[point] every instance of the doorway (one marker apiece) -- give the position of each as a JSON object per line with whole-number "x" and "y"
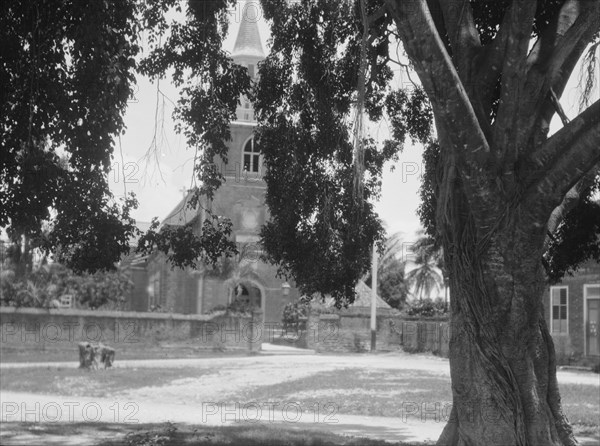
{"x": 592, "y": 319}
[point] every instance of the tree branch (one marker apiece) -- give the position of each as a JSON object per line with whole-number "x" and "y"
{"x": 379, "y": 13}
{"x": 491, "y": 63}
{"x": 569, "y": 202}
{"x": 438, "y": 19}
{"x": 514, "y": 77}
{"x": 558, "y": 107}
{"x": 574, "y": 30}
{"x": 440, "y": 80}
{"x": 565, "y": 158}
{"x": 463, "y": 36}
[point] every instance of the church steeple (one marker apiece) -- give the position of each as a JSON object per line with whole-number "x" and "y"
{"x": 248, "y": 52}
{"x": 247, "y": 44}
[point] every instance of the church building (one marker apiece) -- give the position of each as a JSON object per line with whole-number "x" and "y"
{"x": 241, "y": 198}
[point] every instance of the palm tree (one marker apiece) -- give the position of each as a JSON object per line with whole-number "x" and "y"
{"x": 429, "y": 259}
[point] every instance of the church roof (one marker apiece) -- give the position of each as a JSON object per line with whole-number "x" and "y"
{"x": 248, "y": 42}
{"x": 181, "y": 215}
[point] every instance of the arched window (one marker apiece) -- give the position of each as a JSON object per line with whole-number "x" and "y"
{"x": 251, "y": 156}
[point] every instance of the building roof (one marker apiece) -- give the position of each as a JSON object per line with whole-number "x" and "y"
{"x": 142, "y": 226}
{"x": 362, "y": 300}
{"x": 248, "y": 42}
{"x": 363, "y": 297}
{"x": 182, "y": 214}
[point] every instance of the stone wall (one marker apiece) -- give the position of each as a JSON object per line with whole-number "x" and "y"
{"x": 38, "y": 329}
{"x": 351, "y": 332}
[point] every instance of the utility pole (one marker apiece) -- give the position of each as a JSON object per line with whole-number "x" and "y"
{"x": 374, "y": 299}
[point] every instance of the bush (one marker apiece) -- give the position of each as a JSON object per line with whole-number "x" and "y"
{"x": 294, "y": 316}
{"x": 240, "y": 306}
{"x": 45, "y": 285}
{"x": 161, "y": 437}
{"x": 426, "y": 308}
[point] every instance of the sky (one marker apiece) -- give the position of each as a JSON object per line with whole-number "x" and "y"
{"x": 158, "y": 180}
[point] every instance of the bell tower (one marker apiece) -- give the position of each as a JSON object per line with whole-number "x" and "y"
{"x": 241, "y": 197}
{"x": 248, "y": 51}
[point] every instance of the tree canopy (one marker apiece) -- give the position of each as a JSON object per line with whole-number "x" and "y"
{"x": 67, "y": 72}
{"x": 68, "y": 68}
{"x": 504, "y": 193}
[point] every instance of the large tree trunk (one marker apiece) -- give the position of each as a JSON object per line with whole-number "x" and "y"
{"x": 500, "y": 179}
{"x": 502, "y": 358}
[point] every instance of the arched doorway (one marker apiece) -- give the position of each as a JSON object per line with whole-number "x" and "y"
{"x": 248, "y": 294}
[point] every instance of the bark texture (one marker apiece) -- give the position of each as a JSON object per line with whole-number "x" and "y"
{"x": 501, "y": 355}
{"x": 501, "y": 180}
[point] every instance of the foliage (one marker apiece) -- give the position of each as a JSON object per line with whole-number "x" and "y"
{"x": 184, "y": 248}
{"x": 429, "y": 189}
{"x": 211, "y": 82}
{"x": 425, "y": 279}
{"x": 44, "y": 286}
{"x": 428, "y": 258}
{"x": 161, "y": 437}
{"x": 426, "y": 307}
{"x": 240, "y": 306}
{"x": 320, "y": 232}
{"x": 237, "y": 306}
{"x": 95, "y": 243}
{"x": 577, "y": 238}
{"x": 67, "y": 72}
{"x": 294, "y": 315}
{"x": 392, "y": 284}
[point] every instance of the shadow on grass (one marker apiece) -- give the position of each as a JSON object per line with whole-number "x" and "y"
{"x": 112, "y": 434}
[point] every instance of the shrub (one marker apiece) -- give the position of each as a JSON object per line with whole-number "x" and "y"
{"x": 240, "y": 306}
{"x": 51, "y": 281}
{"x": 294, "y": 316}
{"x": 426, "y": 308}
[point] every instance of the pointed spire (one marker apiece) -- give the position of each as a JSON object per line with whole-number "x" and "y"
{"x": 248, "y": 42}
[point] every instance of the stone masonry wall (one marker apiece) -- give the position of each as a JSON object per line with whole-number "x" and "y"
{"x": 38, "y": 329}
{"x": 352, "y": 333}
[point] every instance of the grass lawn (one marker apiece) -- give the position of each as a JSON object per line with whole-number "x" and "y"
{"x": 59, "y": 353}
{"x": 361, "y": 392}
{"x": 406, "y": 395}
{"x": 175, "y": 435}
{"x": 98, "y": 383}
{"x": 411, "y": 395}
